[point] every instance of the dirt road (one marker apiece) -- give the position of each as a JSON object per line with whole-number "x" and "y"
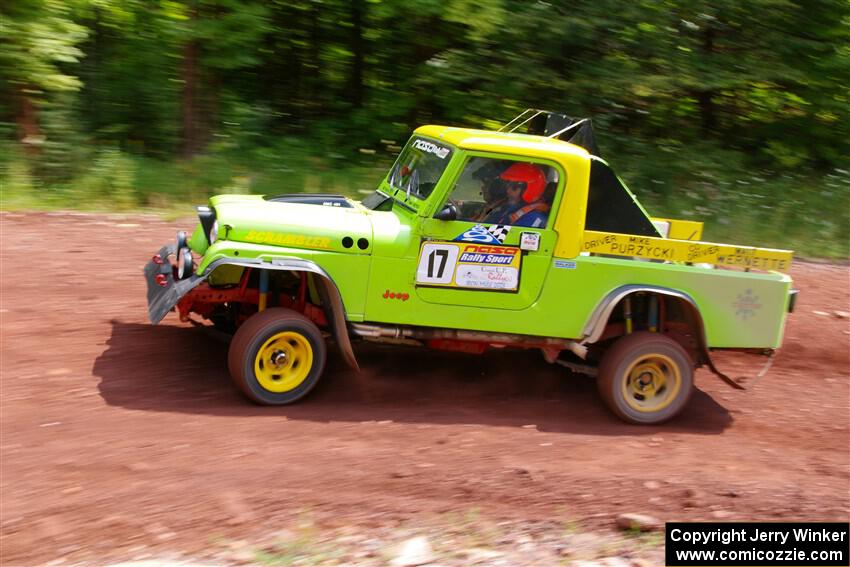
{"x": 117, "y": 434}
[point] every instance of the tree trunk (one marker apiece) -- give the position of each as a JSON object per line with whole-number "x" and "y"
{"x": 26, "y": 118}
{"x": 210, "y": 124}
{"x": 191, "y": 138}
{"x": 705, "y": 98}
{"x": 708, "y": 117}
{"x": 312, "y": 67}
{"x": 93, "y": 85}
{"x": 280, "y": 67}
{"x": 191, "y": 111}
{"x": 358, "y": 48}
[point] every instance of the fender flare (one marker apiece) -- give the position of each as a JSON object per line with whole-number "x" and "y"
{"x": 598, "y": 320}
{"x": 328, "y": 291}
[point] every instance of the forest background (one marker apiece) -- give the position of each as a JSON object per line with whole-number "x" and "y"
{"x": 728, "y": 111}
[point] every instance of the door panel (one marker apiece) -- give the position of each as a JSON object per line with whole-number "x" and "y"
{"x": 497, "y": 253}
{"x": 454, "y": 269}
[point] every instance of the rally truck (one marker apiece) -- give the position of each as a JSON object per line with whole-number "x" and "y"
{"x": 521, "y": 237}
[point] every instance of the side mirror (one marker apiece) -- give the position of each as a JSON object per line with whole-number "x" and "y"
{"x": 449, "y": 212}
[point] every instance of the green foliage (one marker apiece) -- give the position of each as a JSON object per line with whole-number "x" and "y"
{"x": 17, "y": 186}
{"x": 110, "y": 179}
{"x": 38, "y": 36}
{"x": 150, "y": 102}
{"x": 62, "y": 153}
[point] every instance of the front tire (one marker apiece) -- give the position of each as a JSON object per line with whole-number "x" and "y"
{"x": 646, "y": 378}
{"x": 277, "y": 356}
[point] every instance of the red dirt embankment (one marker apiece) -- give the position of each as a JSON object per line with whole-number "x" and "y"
{"x": 116, "y": 433}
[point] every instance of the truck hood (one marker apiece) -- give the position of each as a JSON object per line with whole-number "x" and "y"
{"x": 316, "y": 222}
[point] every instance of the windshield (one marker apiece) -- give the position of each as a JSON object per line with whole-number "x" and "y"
{"x": 419, "y": 167}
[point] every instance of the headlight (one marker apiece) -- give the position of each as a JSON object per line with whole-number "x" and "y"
{"x": 214, "y": 232}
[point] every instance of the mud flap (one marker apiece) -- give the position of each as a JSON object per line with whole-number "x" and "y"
{"x": 161, "y": 299}
{"x": 744, "y": 383}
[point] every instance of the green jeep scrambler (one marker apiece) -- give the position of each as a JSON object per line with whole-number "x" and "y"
{"x": 520, "y": 237}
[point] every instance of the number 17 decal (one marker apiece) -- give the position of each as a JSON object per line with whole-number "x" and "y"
{"x": 437, "y": 264}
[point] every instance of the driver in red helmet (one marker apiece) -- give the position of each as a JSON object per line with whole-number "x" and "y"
{"x": 524, "y": 185}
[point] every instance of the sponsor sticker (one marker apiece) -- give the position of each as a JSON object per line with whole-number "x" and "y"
{"x": 529, "y": 241}
{"x": 486, "y": 277}
{"x": 469, "y": 265}
{"x": 431, "y": 148}
{"x": 565, "y": 264}
{"x": 493, "y": 234}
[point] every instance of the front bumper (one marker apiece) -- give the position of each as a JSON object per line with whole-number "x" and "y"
{"x": 163, "y": 298}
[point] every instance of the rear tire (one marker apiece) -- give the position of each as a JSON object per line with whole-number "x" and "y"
{"x": 646, "y": 378}
{"x": 277, "y": 356}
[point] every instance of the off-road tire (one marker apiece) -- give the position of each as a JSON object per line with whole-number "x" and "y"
{"x": 256, "y": 332}
{"x": 623, "y": 362}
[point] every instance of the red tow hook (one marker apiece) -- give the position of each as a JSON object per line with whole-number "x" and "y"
{"x": 157, "y": 259}
{"x": 161, "y": 280}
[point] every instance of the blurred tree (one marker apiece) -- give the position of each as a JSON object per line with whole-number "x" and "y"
{"x": 292, "y": 67}
{"x": 766, "y": 78}
{"x": 37, "y": 38}
{"x": 358, "y": 53}
{"x": 130, "y": 74}
{"x": 411, "y": 44}
{"x": 745, "y": 74}
{"x": 220, "y": 39}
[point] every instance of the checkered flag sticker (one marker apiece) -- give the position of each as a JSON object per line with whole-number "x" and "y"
{"x": 494, "y": 234}
{"x": 499, "y": 231}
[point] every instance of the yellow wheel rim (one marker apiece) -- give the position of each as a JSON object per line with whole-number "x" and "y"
{"x": 651, "y": 383}
{"x": 283, "y": 362}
